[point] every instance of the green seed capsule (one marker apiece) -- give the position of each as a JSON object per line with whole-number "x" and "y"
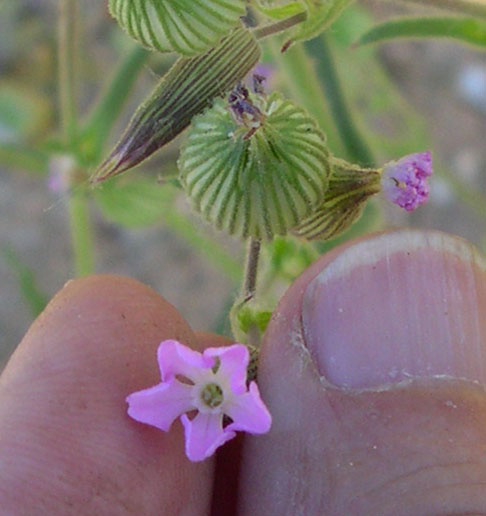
{"x": 350, "y": 188}
{"x": 259, "y": 178}
{"x": 186, "y": 90}
{"x": 188, "y": 27}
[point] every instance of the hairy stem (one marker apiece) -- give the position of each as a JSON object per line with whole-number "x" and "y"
{"x": 280, "y": 26}
{"x": 251, "y": 269}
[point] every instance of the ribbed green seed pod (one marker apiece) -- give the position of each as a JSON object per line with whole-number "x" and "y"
{"x": 260, "y": 185}
{"x": 186, "y": 90}
{"x": 350, "y": 188}
{"x": 188, "y": 27}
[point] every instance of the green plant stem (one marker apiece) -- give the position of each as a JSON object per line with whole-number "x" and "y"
{"x": 251, "y": 269}
{"x": 79, "y": 223}
{"x": 470, "y": 7}
{"x": 355, "y": 147}
{"x": 280, "y": 26}
{"x": 249, "y": 287}
{"x": 81, "y": 237}
{"x": 66, "y": 60}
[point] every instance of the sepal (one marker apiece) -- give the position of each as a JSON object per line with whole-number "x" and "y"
{"x": 350, "y": 187}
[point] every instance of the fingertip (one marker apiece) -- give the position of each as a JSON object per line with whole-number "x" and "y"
{"x": 63, "y": 409}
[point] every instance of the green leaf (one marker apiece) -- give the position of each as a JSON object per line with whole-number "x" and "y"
{"x": 188, "y": 27}
{"x": 108, "y": 108}
{"x": 136, "y": 204}
{"x": 187, "y": 89}
{"x": 476, "y": 8}
{"x": 144, "y": 203}
{"x": 248, "y": 316}
{"x": 320, "y": 15}
{"x": 288, "y": 257}
{"x": 467, "y": 30}
{"x": 305, "y": 87}
{"x": 34, "y": 298}
{"x": 390, "y": 124}
{"x": 282, "y": 11}
{"x": 23, "y": 112}
{"x": 19, "y": 156}
{"x": 354, "y": 141}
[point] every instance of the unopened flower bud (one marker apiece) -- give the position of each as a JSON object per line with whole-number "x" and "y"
{"x": 404, "y": 181}
{"x": 255, "y": 165}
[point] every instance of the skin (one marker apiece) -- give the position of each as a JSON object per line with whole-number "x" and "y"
{"x": 411, "y": 446}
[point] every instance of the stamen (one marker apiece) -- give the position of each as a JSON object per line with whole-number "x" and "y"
{"x": 212, "y": 395}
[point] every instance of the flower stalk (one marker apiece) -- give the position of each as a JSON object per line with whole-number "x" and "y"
{"x": 249, "y": 289}
{"x": 251, "y": 269}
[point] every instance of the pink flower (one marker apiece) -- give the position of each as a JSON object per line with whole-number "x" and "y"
{"x": 213, "y": 383}
{"x": 404, "y": 181}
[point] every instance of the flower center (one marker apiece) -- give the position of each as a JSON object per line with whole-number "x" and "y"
{"x": 212, "y": 395}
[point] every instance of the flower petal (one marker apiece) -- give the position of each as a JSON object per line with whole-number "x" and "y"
{"x": 160, "y": 405}
{"x": 233, "y": 365}
{"x": 249, "y": 413}
{"x": 174, "y": 358}
{"x": 204, "y": 434}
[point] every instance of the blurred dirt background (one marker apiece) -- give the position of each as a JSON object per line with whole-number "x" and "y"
{"x": 445, "y": 82}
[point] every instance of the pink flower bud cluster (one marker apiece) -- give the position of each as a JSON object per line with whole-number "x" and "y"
{"x": 404, "y": 182}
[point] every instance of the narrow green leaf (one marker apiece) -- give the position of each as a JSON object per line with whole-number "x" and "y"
{"x": 24, "y": 112}
{"x": 320, "y": 15}
{"x": 186, "y": 90}
{"x": 19, "y": 156}
{"x": 467, "y": 30}
{"x": 354, "y": 142}
{"x": 476, "y": 8}
{"x": 108, "y": 108}
{"x": 136, "y": 204}
{"x": 34, "y": 298}
{"x": 304, "y": 86}
{"x": 392, "y": 126}
{"x": 143, "y": 203}
{"x": 282, "y": 11}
